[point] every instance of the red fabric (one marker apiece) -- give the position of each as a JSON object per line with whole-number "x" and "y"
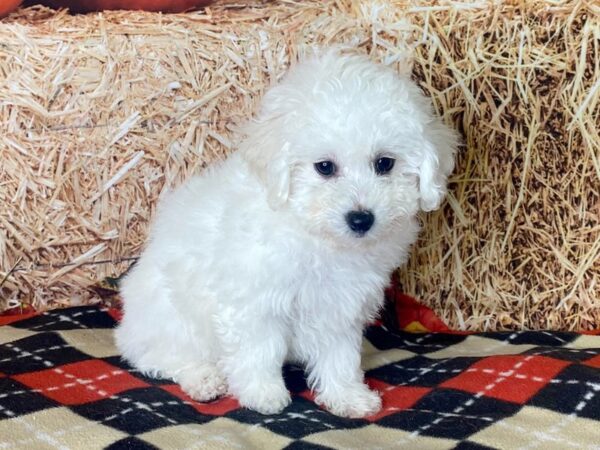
{"x": 7, "y": 6}
{"x": 511, "y": 378}
{"x": 116, "y": 313}
{"x": 16, "y": 314}
{"x": 216, "y": 408}
{"x": 594, "y": 362}
{"x": 411, "y": 315}
{"x": 395, "y": 398}
{"x": 72, "y": 384}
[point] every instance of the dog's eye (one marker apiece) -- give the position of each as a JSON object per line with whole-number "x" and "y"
{"x": 384, "y": 165}
{"x": 326, "y": 168}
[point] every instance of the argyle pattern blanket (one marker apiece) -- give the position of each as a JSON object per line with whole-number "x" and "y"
{"x": 63, "y": 385}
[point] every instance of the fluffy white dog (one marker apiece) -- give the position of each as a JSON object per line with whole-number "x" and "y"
{"x": 282, "y": 252}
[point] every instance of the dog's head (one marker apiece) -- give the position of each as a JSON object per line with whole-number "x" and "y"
{"x": 350, "y": 147}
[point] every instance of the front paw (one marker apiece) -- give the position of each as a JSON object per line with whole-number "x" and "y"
{"x": 265, "y": 398}
{"x": 203, "y": 383}
{"x": 354, "y": 401}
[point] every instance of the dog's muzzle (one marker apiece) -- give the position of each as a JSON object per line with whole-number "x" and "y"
{"x": 360, "y": 221}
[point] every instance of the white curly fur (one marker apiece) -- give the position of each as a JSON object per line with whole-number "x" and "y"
{"x": 252, "y": 263}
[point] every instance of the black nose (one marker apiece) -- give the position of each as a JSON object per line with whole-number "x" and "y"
{"x": 360, "y": 221}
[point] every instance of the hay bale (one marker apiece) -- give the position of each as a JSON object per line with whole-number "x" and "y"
{"x": 518, "y": 245}
{"x": 105, "y": 111}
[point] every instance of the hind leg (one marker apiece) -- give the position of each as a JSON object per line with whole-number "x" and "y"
{"x": 172, "y": 357}
{"x": 198, "y": 376}
{"x": 164, "y": 342}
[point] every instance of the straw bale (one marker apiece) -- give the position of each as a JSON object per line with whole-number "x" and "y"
{"x": 518, "y": 244}
{"x": 101, "y": 113}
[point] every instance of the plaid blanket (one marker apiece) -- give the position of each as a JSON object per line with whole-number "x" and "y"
{"x": 63, "y": 385}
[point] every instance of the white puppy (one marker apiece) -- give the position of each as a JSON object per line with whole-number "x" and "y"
{"x": 282, "y": 252}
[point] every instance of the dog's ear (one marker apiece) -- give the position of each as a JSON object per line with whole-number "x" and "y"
{"x": 437, "y": 164}
{"x": 267, "y": 155}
